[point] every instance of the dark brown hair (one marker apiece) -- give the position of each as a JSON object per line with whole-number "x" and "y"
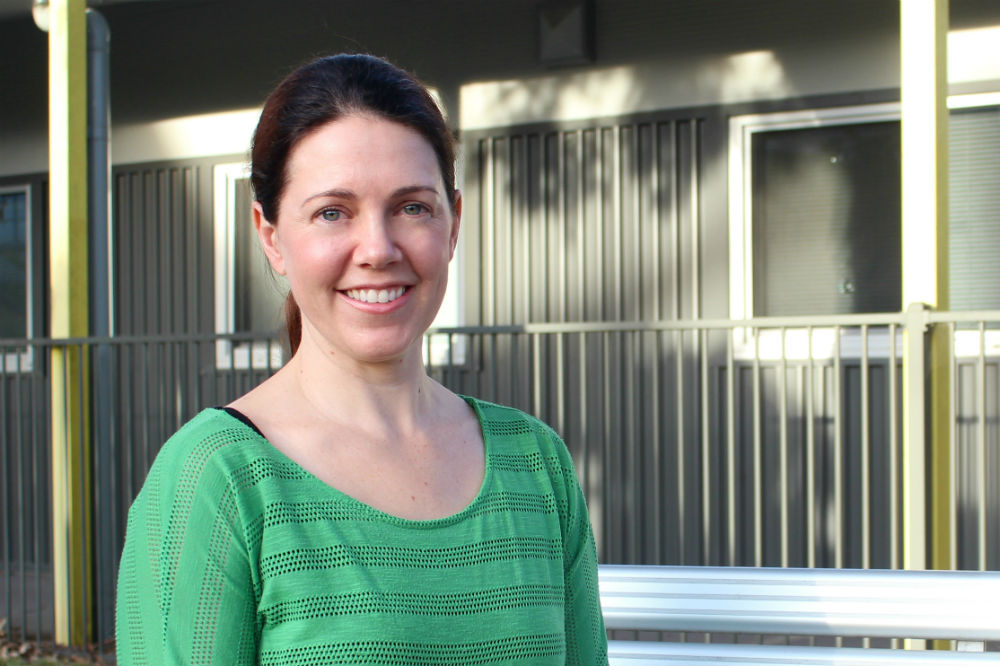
{"x": 323, "y": 91}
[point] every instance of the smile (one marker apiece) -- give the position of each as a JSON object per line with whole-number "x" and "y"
{"x": 375, "y": 295}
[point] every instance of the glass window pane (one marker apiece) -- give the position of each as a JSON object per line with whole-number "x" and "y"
{"x": 974, "y": 209}
{"x": 13, "y": 265}
{"x": 826, "y": 220}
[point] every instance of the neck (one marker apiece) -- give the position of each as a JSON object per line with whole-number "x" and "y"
{"x": 392, "y": 396}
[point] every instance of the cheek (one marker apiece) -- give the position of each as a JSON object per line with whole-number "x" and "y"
{"x": 432, "y": 253}
{"x": 312, "y": 261}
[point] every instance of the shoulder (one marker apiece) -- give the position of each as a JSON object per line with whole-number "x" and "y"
{"x": 213, "y": 434}
{"x": 507, "y": 421}
{"x": 521, "y": 440}
{"x": 204, "y": 455}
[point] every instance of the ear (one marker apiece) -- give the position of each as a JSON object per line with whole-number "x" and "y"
{"x": 456, "y": 223}
{"x": 268, "y": 235}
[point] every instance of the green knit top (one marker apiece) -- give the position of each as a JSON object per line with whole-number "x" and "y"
{"x": 234, "y": 554}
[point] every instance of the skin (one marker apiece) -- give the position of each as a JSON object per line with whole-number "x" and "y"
{"x": 365, "y": 211}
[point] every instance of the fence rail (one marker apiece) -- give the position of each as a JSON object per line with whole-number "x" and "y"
{"x": 761, "y": 442}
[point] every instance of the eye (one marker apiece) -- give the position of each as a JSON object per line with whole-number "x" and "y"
{"x": 330, "y": 215}
{"x": 415, "y": 209}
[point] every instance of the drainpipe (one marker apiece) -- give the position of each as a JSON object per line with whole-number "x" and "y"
{"x": 99, "y": 172}
{"x": 101, "y": 311}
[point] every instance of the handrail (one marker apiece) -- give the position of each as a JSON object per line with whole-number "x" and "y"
{"x": 803, "y": 321}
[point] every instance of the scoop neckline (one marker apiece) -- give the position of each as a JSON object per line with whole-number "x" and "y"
{"x": 367, "y": 508}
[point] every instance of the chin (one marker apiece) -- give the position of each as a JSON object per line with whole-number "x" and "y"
{"x": 383, "y": 353}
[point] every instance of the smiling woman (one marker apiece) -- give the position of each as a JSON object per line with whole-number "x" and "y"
{"x": 350, "y": 509}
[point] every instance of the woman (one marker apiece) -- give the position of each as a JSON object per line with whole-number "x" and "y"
{"x": 350, "y": 509}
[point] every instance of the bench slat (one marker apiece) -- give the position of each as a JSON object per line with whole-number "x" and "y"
{"x": 813, "y": 602}
{"x": 641, "y": 653}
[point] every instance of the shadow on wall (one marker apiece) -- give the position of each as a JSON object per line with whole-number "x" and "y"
{"x": 684, "y": 82}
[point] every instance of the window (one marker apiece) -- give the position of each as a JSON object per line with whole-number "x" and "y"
{"x": 14, "y": 227}
{"x": 974, "y": 208}
{"x": 826, "y": 225}
{"x": 248, "y": 294}
{"x": 815, "y": 214}
{"x": 15, "y": 271}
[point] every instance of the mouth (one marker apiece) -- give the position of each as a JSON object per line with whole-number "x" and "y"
{"x": 376, "y": 295}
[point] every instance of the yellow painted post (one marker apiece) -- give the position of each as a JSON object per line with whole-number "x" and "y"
{"x": 69, "y": 318}
{"x": 927, "y": 453}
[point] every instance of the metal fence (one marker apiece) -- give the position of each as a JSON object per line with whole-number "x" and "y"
{"x": 772, "y": 442}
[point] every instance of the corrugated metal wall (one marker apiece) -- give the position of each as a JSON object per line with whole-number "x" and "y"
{"x": 595, "y": 223}
{"x": 163, "y": 231}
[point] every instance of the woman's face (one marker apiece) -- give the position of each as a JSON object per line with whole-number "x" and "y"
{"x": 364, "y": 234}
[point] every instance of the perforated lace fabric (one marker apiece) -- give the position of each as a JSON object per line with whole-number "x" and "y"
{"x": 236, "y": 555}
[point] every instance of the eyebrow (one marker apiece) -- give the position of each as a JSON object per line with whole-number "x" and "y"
{"x": 349, "y": 194}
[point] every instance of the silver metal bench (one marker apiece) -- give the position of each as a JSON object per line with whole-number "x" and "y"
{"x": 961, "y": 606}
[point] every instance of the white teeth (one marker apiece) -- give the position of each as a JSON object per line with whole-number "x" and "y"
{"x": 376, "y": 296}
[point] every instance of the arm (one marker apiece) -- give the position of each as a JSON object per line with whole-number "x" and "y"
{"x": 185, "y": 592}
{"x": 586, "y": 639}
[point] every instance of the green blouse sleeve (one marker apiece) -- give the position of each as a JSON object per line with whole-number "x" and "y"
{"x": 185, "y": 588}
{"x": 586, "y": 638}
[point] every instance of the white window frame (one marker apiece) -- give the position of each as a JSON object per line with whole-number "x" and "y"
{"x": 258, "y": 355}
{"x": 741, "y": 133}
{"x": 24, "y": 360}
{"x": 796, "y": 344}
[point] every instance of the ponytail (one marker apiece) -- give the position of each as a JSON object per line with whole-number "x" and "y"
{"x": 293, "y": 324}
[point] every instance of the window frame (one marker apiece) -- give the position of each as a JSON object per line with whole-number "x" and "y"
{"x": 747, "y": 342}
{"x": 229, "y": 354}
{"x": 741, "y": 132}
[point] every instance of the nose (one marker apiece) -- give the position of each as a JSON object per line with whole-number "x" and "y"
{"x": 376, "y": 247}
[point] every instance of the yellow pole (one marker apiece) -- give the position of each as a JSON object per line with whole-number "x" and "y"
{"x": 923, "y": 37}
{"x": 69, "y": 318}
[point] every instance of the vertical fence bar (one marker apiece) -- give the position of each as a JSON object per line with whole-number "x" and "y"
{"x": 706, "y": 455}
{"x": 610, "y": 506}
{"x": 47, "y": 430}
{"x": 631, "y": 441}
{"x": 5, "y": 493}
{"x": 953, "y": 455}
{"x": 865, "y": 454}
{"x": 838, "y": 450}
{"x": 582, "y": 412}
{"x": 800, "y": 391}
{"x": 730, "y": 452}
{"x": 810, "y": 454}
{"x": 981, "y": 457}
{"x": 914, "y": 441}
{"x": 758, "y": 510}
{"x": 783, "y": 448}
{"x": 894, "y": 521}
{"x": 894, "y": 489}
{"x": 561, "y": 382}
{"x": 681, "y": 461}
{"x": 84, "y": 495}
{"x": 657, "y": 452}
{"x": 19, "y": 465}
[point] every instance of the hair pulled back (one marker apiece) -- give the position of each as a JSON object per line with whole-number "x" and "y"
{"x": 323, "y": 91}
